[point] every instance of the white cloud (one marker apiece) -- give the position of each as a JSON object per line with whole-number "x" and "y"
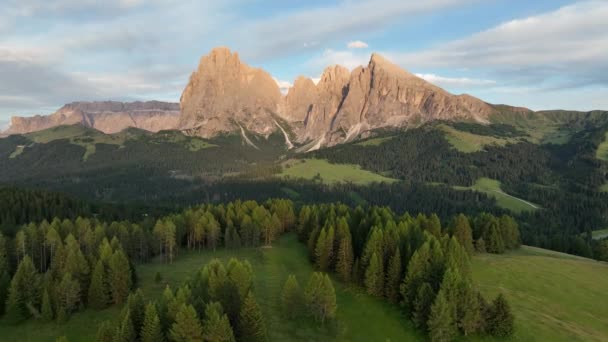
{"x": 569, "y": 42}
{"x": 357, "y": 44}
{"x": 347, "y": 58}
{"x": 329, "y": 23}
{"x": 283, "y": 85}
{"x": 459, "y": 82}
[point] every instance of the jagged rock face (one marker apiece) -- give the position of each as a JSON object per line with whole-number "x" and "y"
{"x": 379, "y": 95}
{"x": 225, "y": 94}
{"x": 108, "y": 117}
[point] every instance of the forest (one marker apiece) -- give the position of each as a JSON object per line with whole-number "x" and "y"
{"x": 53, "y": 269}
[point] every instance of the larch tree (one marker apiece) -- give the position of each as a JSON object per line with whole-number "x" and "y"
{"x": 292, "y": 298}
{"x": 187, "y": 327}
{"x": 119, "y": 277}
{"x": 374, "y": 276}
{"x": 441, "y": 325}
{"x": 216, "y": 325}
{"x": 151, "y": 329}
{"x": 394, "y": 275}
{"x": 23, "y": 291}
{"x": 251, "y": 321}
{"x": 98, "y": 297}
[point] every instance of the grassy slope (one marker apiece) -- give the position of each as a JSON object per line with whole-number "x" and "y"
{"x": 602, "y": 150}
{"x": 272, "y": 266}
{"x": 600, "y": 234}
{"x": 492, "y": 188}
{"x": 374, "y": 141}
{"x": 555, "y": 296}
{"x": 467, "y": 142}
{"x": 331, "y": 173}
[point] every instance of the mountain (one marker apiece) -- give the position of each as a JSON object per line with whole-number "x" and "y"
{"x": 225, "y": 95}
{"x": 107, "y": 116}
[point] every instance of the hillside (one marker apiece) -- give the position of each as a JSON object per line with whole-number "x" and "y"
{"x": 556, "y": 297}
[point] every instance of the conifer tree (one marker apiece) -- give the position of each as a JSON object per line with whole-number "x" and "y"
{"x": 321, "y": 256}
{"x": 5, "y": 283}
{"x": 251, "y": 321}
{"x": 292, "y": 297}
{"x": 98, "y": 293}
{"x": 320, "y": 297}
{"x": 394, "y": 277}
{"x": 106, "y": 333}
{"x": 124, "y": 330}
{"x": 422, "y": 306}
{"x": 480, "y": 245}
{"x": 500, "y": 319}
{"x": 345, "y": 258}
{"x": 374, "y": 276}
{"x": 216, "y": 326}
{"x": 441, "y": 323}
{"x": 137, "y": 308}
{"x": 151, "y": 328}
{"x": 120, "y": 277}
{"x": 47, "y": 307}
{"x": 68, "y": 295}
{"x": 23, "y": 291}
{"x": 187, "y": 327}
{"x": 463, "y": 233}
{"x": 469, "y": 311}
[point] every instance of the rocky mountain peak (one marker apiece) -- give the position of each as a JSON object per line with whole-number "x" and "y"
{"x": 225, "y": 93}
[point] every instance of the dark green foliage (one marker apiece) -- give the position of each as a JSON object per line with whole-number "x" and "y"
{"x": 422, "y": 306}
{"x": 500, "y": 319}
{"x": 68, "y": 296}
{"x": 124, "y": 330}
{"x": 394, "y": 276}
{"x": 461, "y": 229}
{"x": 46, "y": 310}
{"x": 119, "y": 277}
{"x": 158, "y": 277}
{"x": 374, "y": 276}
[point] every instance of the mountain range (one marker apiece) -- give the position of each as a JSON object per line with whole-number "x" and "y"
{"x": 225, "y": 95}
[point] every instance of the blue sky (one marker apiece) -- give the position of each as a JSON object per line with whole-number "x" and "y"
{"x": 539, "y": 54}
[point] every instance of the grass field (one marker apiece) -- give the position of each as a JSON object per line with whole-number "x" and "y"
{"x": 555, "y": 296}
{"x": 604, "y": 187}
{"x": 602, "y": 150}
{"x": 374, "y": 141}
{"x": 599, "y": 234}
{"x": 491, "y": 187}
{"x": 330, "y": 173}
{"x": 467, "y": 142}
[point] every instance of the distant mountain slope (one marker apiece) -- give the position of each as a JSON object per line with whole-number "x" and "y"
{"x": 108, "y": 117}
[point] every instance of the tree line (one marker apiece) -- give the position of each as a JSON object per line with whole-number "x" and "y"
{"x": 414, "y": 261}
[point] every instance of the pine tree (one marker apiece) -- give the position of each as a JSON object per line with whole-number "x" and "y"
{"x": 216, "y": 326}
{"x": 151, "y": 328}
{"x": 98, "y": 293}
{"x": 251, "y": 321}
{"x": 500, "y": 319}
{"x": 494, "y": 243}
{"x": 374, "y": 276}
{"x": 5, "y": 283}
{"x": 291, "y": 297}
{"x": 187, "y": 327}
{"x": 47, "y": 307}
{"x": 422, "y": 306}
{"x": 394, "y": 277}
{"x": 480, "y": 245}
{"x": 441, "y": 324}
{"x": 120, "y": 277}
{"x": 345, "y": 258}
{"x": 105, "y": 333}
